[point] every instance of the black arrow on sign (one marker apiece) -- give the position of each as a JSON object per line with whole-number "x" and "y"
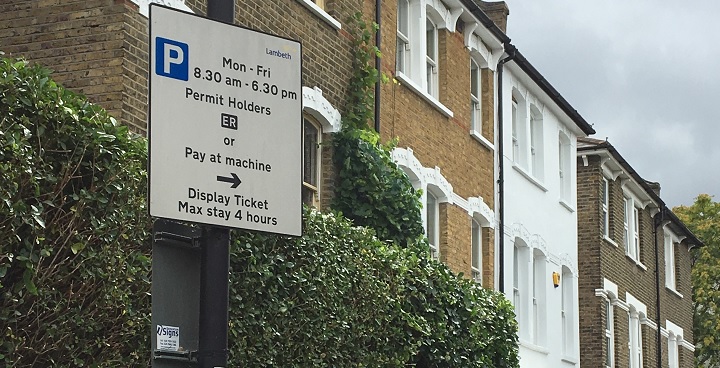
{"x": 234, "y": 180}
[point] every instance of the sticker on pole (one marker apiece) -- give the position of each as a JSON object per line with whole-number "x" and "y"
{"x": 168, "y": 338}
{"x": 225, "y": 124}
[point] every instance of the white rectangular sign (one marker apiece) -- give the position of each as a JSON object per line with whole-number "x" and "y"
{"x": 168, "y": 337}
{"x": 225, "y": 124}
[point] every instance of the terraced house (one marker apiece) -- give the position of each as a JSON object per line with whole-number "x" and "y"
{"x": 635, "y": 290}
{"x": 538, "y": 214}
{"x": 442, "y": 107}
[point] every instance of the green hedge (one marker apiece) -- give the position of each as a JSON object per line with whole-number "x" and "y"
{"x": 339, "y": 297}
{"x": 74, "y": 263}
{"x": 74, "y": 252}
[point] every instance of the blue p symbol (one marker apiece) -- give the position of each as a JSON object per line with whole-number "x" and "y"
{"x": 171, "y": 59}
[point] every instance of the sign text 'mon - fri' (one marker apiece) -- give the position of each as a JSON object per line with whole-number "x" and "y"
{"x": 225, "y": 125}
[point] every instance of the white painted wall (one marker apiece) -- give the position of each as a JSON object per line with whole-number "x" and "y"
{"x": 535, "y": 213}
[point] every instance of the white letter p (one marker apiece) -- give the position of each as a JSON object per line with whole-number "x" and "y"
{"x": 172, "y": 60}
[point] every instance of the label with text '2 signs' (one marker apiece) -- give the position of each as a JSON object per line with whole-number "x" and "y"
{"x": 168, "y": 337}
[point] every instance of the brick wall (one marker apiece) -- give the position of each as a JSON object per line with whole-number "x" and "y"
{"x": 95, "y": 47}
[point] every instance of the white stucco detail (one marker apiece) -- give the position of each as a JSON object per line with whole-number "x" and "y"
{"x": 144, "y": 5}
{"x": 611, "y": 288}
{"x": 321, "y": 109}
{"x": 434, "y": 178}
{"x": 537, "y": 242}
{"x": 405, "y": 158}
{"x": 479, "y": 50}
{"x": 636, "y": 305}
{"x": 478, "y": 207}
{"x": 440, "y": 14}
{"x": 519, "y": 231}
{"x": 568, "y": 261}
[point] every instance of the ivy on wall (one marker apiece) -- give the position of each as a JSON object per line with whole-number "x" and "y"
{"x": 370, "y": 189}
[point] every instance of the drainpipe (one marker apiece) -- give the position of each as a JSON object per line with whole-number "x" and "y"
{"x": 501, "y": 174}
{"x": 659, "y": 219}
{"x": 378, "y": 4}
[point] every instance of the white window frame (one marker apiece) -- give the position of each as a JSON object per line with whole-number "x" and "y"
{"x": 476, "y": 250}
{"x": 609, "y": 335}
{"x": 313, "y": 187}
{"x": 539, "y": 298}
{"x": 431, "y": 57}
{"x": 522, "y": 287}
{"x": 670, "y": 276}
{"x": 675, "y": 339}
{"x": 567, "y": 312}
{"x": 317, "y": 7}
{"x": 636, "y": 234}
{"x": 521, "y": 132}
{"x": 605, "y": 206}
{"x": 515, "y": 130}
{"x": 631, "y": 228}
{"x": 626, "y": 223}
{"x": 564, "y": 167}
{"x": 673, "y": 351}
{"x": 415, "y": 76}
{"x": 635, "y": 341}
{"x": 536, "y": 143}
{"x": 432, "y": 228}
{"x": 516, "y": 281}
{"x": 403, "y": 51}
{"x": 475, "y": 97}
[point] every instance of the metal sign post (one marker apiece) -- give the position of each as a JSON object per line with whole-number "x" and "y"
{"x": 215, "y": 260}
{"x": 225, "y": 152}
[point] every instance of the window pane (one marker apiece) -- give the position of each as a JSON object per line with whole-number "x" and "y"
{"x": 474, "y": 79}
{"x": 310, "y": 159}
{"x": 429, "y": 78}
{"x": 432, "y": 225}
{"x": 402, "y": 17}
{"x": 431, "y": 38}
{"x": 516, "y": 150}
{"x": 476, "y": 251}
{"x": 400, "y": 55}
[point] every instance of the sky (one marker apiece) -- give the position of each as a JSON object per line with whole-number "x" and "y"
{"x": 645, "y": 73}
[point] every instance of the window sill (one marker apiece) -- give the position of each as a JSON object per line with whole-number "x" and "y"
{"x": 529, "y": 177}
{"x": 568, "y": 359}
{"x": 566, "y": 205}
{"x": 425, "y": 96}
{"x": 673, "y": 291}
{"x": 321, "y": 13}
{"x": 610, "y": 241}
{"x": 478, "y": 137}
{"x": 638, "y": 263}
{"x": 533, "y": 347}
